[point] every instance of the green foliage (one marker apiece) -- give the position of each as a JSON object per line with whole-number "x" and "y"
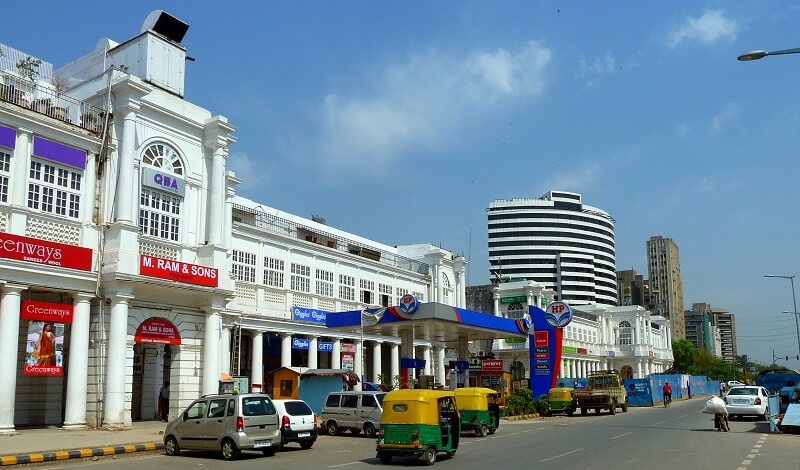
{"x": 702, "y": 361}
{"x": 685, "y": 353}
{"x": 520, "y": 402}
{"x": 29, "y": 68}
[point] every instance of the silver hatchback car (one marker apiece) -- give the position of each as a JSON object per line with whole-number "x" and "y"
{"x": 227, "y": 423}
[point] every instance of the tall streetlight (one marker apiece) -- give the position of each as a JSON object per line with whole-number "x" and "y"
{"x": 755, "y": 55}
{"x": 794, "y": 301}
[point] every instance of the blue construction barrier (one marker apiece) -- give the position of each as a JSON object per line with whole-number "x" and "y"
{"x": 638, "y": 391}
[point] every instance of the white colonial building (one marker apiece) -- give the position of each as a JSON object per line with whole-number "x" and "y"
{"x": 627, "y": 338}
{"x": 126, "y": 259}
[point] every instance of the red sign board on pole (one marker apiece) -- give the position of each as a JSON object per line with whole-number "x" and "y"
{"x": 178, "y": 271}
{"x": 540, "y": 338}
{"x": 37, "y": 251}
{"x": 157, "y": 330}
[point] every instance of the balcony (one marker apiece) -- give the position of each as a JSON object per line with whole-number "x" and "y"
{"x": 283, "y": 227}
{"x": 45, "y": 99}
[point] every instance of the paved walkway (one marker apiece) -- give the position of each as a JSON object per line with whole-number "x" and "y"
{"x": 49, "y": 443}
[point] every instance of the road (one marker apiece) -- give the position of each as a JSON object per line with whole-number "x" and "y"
{"x": 678, "y": 437}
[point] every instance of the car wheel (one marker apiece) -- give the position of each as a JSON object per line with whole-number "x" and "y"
{"x": 333, "y": 428}
{"x": 429, "y": 456}
{"x": 229, "y": 450}
{"x": 270, "y": 452}
{"x": 369, "y": 430}
{"x": 386, "y": 459}
{"x": 306, "y": 444}
{"x": 171, "y": 446}
{"x": 584, "y": 411}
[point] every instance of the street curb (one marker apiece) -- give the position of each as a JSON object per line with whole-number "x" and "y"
{"x": 35, "y": 457}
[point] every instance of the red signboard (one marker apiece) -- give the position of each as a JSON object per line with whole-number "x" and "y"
{"x": 157, "y": 330}
{"x": 38, "y": 251}
{"x": 178, "y": 271}
{"x": 492, "y": 365}
{"x": 582, "y": 351}
{"x": 45, "y": 311}
{"x": 540, "y": 338}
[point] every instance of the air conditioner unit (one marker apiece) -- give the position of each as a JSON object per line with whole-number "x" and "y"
{"x": 483, "y": 353}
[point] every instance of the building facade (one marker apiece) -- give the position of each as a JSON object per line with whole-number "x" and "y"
{"x": 557, "y": 241}
{"x": 127, "y": 261}
{"x": 632, "y": 289}
{"x": 712, "y": 328}
{"x": 627, "y": 338}
{"x": 666, "y": 286}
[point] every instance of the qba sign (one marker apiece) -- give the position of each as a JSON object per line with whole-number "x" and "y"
{"x": 155, "y": 179}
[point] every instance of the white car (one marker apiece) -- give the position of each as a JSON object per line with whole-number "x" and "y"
{"x": 733, "y": 383}
{"x": 747, "y": 400}
{"x": 297, "y": 421}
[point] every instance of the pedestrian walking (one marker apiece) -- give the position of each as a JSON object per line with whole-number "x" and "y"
{"x": 721, "y": 389}
{"x": 163, "y": 401}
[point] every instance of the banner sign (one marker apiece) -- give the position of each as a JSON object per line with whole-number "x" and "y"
{"x": 325, "y": 346}
{"x": 309, "y": 315}
{"x": 157, "y": 330}
{"x": 513, "y": 300}
{"x": 492, "y": 365}
{"x": 638, "y": 392}
{"x": 348, "y": 347}
{"x": 44, "y": 349}
{"x": 300, "y": 343}
{"x": 45, "y": 311}
{"x": 178, "y": 271}
{"x": 348, "y": 361}
{"x": 37, "y": 251}
{"x": 170, "y": 183}
{"x": 548, "y": 335}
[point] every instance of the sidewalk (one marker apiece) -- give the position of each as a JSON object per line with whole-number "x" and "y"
{"x": 52, "y": 443}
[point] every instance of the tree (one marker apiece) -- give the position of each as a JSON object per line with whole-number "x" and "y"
{"x": 685, "y": 353}
{"x": 702, "y": 361}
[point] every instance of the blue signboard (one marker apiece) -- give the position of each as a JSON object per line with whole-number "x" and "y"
{"x": 309, "y": 315}
{"x": 545, "y": 354}
{"x": 299, "y": 343}
{"x": 325, "y": 346}
{"x": 638, "y": 392}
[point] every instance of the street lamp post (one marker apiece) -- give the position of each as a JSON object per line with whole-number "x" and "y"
{"x": 755, "y": 55}
{"x": 794, "y": 302}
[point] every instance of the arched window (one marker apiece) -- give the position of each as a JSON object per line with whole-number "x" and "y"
{"x": 162, "y": 192}
{"x": 446, "y": 289}
{"x": 624, "y": 333}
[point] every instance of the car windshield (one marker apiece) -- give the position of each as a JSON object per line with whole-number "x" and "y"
{"x": 743, "y": 391}
{"x": 297, "y": 408}
{"x": 380, "y": 396}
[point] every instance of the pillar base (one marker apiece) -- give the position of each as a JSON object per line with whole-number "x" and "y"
{"x": 8, "y": 431}
{"x": 116, "y": 427}
{"x": 75, "y": 426}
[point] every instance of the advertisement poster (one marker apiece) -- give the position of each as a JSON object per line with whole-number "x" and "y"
{"x": 44, "y": 348}
{"x": 348, "y": 361}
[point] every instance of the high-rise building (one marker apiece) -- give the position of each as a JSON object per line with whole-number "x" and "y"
{"x": 712, "y": 328}
{"x": 632, "y": 289}
{"x": 666, "y": 287}
{"x": 558, "y": 241}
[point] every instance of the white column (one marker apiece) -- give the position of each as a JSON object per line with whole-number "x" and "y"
{"x": 583, "y": 368}
{"x": 395, "y": 362}
{"x": 426, "y": 354}
{"x": 257, "y": 358}
{"x": 78, "y": 365}
{"x": 313, "y": 353}
{"x": 19, "y": 168}
{"x": 9, "y": 345}
{"x": 211, "y": 341}
{"x": 286, "y": 350}
{"x": 496, "y": 298}
{"x": 125, "y": 192}
{"x": 440, "y": 378}
{"x": 376, "y": 360}
{"x": 114, "y": 392}
{"x": 216, "y": 197}
{"x": 639, "y": 369}
{"x": 225, "y": 350}
{"x": 358, "y": 363}
{"x": 336, "y": 354}
{"x": 572, "y": 368}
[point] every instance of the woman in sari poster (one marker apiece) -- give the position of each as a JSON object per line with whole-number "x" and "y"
{"x": 44, "y": 349}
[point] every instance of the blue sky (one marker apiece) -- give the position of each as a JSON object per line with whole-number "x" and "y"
{"x": 402, "y": 121}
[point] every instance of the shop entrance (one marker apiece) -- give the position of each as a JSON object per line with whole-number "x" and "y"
{"x": 152, "y": 366}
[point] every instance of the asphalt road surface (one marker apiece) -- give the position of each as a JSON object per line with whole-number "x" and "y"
{"x": 674, "y": 438}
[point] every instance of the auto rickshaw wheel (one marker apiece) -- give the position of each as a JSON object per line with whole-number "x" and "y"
{"x": 386, "y": 459}
{"x": 451, "y": 454}
{"x": 429, "y": 456}
{"x": 570, "y": 411}
{"x": 491, "y": 431}
{"x": 483, "y": 430}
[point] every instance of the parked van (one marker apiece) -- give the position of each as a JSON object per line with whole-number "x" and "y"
{"x": 355, "y": 411}
{"x": 226, "y": 423}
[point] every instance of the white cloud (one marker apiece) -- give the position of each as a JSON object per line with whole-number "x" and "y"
{"x": 708, "y": 28}
{"x": 594, "y": 71}
{"x": 249, "y": 170}
{"x": 421, "y": 104}
{"x": 729, "y": 113}
{"x": 682, "y": 130}
{"x": 576, "y": 180}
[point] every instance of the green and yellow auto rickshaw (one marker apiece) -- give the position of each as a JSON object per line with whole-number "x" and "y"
{"x": 418, "y": 423}
{"x": 559, "y": 400}
{"x": 478, "y": 409}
